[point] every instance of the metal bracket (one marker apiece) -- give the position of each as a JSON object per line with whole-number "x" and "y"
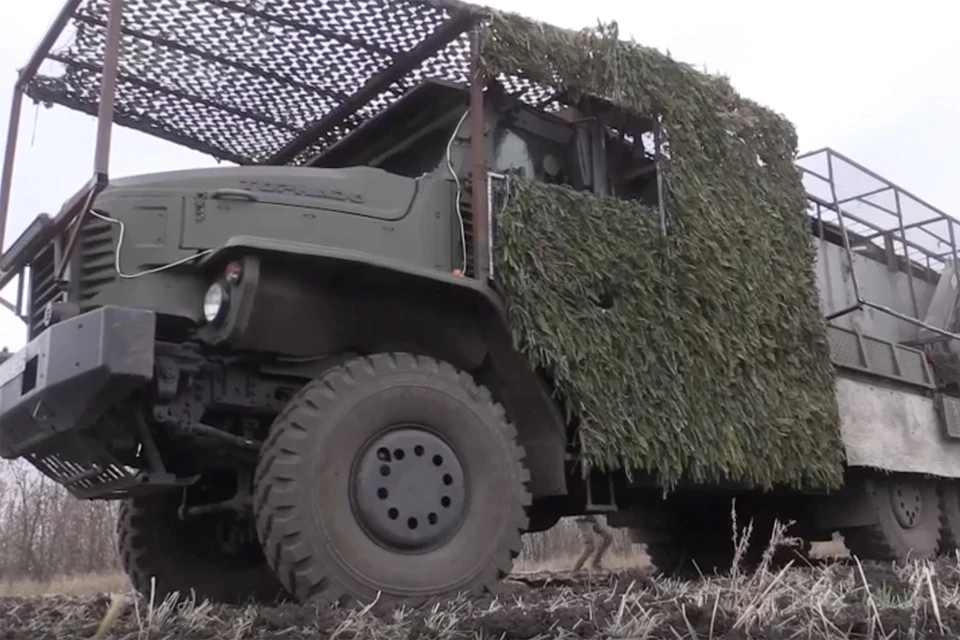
{"x": 594, "y": 507}
{"x": 948, "y": 408}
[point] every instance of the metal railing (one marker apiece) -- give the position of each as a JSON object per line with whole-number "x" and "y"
{"x": 867, "y": 207}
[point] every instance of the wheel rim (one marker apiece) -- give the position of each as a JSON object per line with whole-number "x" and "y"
{"x": 408, "y": 489}
{"x": 907, "y": 502}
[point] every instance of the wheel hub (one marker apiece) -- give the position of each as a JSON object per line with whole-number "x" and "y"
{"x": 907, "y": 502}
{"x": 408, "y": 489}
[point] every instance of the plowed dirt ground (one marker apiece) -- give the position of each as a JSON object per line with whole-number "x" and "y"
{"x": 836, "y": 600}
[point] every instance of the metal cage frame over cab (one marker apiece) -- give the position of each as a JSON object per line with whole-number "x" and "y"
{"x": 220, "y": 77}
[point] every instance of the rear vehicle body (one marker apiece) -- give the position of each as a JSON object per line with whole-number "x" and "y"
{"x": 302, "y": 374}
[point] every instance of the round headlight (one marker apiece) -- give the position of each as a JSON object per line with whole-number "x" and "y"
{"x": 215, "y": 303}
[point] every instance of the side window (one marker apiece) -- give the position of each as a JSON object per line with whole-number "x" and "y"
{"x": 529, "y": 155}
{"x": 513, "y": 153}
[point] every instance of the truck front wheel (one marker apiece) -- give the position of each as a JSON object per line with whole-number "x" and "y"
{"x": 395, "y": 475}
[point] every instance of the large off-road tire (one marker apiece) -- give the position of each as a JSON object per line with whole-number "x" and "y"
{"x": 393, "y": 474}
{"x": 908, "y": 516}
{"x": 949, "y": 490}
{"x": 162, "y": 555}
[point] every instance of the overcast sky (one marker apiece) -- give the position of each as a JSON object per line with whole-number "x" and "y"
{"x": 877, "y": 84}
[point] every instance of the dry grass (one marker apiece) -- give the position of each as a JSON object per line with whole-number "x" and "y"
{"x": 637, "y": 560}
{"x": 616, "y": 562}
{"x": 622, "y": 558}
{"x": 115, "y": 582}
{"x": 836, "y": 601}
{"x": 82, "y": 585}
{"x": 841, "y": 599}
{"x": 109, "y": 583}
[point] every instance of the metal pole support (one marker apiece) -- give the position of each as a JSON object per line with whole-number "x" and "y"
{"x": 478, "y": 158}
{"x": 101, "y": 158}
{"x": 25, "y": 75}
{"x": 6, "y": 181}
{"x": 108, "y": 90}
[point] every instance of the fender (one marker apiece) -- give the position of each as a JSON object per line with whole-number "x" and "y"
{"x": 240, "y": 245}
{"x": 461, "y": 319}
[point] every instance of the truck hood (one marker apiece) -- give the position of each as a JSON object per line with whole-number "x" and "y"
{"x": 377, "y": 192}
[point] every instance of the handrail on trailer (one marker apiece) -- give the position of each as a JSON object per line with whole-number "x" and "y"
{"x": 893, "y": 235}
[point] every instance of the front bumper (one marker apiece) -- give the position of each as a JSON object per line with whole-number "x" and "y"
{"x": 66, "y": 379}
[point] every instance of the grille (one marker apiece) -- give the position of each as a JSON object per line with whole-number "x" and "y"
{"x": 844, "y": 348}
{"x": 950, "y": 414}
{"x": 945, "y": 363}
{"x": 496, "y": 201}
{"x": 850, "y": 349}
{"x": 43, "y": 287}
{"x": 466, "y": 210}
{"x": 84, "y": 468}
{"x": 91, "y": 269}
{"x": 94, "y": 260}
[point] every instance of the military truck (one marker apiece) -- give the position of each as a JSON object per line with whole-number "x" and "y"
{"x": 301, "y": 374}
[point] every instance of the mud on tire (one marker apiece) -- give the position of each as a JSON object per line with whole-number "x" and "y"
{"x": 908, "y": 516}
{"x": 949, "y": 490}
{"x": 162, "y": 555}
{"x": 395, "y": 474}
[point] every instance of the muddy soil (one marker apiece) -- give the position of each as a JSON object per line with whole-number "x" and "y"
{"x": 818, "y": 602}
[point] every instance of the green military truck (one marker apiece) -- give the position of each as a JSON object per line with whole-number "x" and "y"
{"x": 467, "y": 275}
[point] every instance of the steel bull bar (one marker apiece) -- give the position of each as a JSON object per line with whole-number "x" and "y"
{"x": 64, "y": 382}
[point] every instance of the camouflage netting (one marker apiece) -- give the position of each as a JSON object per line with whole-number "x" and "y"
{"x": 712, "y": 363}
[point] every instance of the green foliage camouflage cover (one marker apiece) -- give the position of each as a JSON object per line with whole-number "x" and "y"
{"x": 712, "y": 363}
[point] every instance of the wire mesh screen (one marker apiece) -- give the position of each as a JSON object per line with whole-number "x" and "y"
{"x": 240, "y": 79}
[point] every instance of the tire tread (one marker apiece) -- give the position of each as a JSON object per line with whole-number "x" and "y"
{"x": 303, "y": 576}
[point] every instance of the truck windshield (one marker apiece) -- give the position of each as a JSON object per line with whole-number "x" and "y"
{"x": 518, "y": 150}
